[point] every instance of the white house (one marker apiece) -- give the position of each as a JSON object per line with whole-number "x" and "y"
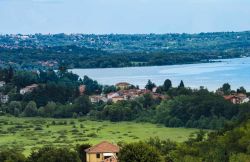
{"x": 4, "y": 98}
{"x": 28, "y": 89}
{"x": 246, "y": 100}
{"x": 97, "y": 99}
{"x": 112, "y": 95}
{"x": 2, "y": 83}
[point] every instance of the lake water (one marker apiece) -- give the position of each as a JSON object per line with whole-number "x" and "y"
{"x": 210, "y": 75}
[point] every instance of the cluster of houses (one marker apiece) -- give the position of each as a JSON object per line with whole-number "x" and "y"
{"x": 125, "y": 93}
{"x": 237, "y": 98}
{"x": 48, "y": 63}
{"x": 28, "y": 89}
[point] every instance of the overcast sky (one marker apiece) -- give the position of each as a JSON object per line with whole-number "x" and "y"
{"x": 123, "y": 16}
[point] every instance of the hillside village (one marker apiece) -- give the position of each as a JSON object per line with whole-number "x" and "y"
{"x": 125, "y": 91}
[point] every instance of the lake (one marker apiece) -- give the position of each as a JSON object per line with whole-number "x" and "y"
{"x": 210, "y": 75}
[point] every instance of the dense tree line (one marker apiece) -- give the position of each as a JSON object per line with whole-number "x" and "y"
{"x": 57, "y": 94}
{"x": 81, "y": 57}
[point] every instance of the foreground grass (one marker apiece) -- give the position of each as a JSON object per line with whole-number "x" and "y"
{"x": 27, "y": 134}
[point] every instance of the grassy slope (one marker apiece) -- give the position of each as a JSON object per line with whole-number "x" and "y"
{"x": 24, "y": 133}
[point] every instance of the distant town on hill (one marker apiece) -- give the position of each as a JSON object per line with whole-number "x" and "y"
{"x": 40, "y": 51}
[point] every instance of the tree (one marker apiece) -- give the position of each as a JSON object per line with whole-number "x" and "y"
{"x": 241, "y": 90}
{"x": 226, "y": 88}
{"x": 24, "y": 78}
{"x": 150, "y": 85}
{"x": 11, "y": 156}
{"x": 51, "y": 154}
{"x": 10, "y": 74}
{"x": 108, "y": 89}
{"x": 167, "y": 85}
{"x": 181, "y": 85}
{"x": 92, "y": 86}
{"x": 15, "y": 108}
{"x": 82, "y": 105}
{"x": 30, "y": 110}
{"x": 81, "y": 153}
{"x": 48, "y": 110}
{"x": 139, "y": 152}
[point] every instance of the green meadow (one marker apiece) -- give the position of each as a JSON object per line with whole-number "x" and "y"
{"x": 27, "y": 134}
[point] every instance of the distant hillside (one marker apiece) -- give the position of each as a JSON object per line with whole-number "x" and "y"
{"x": 102, "y": 51}
{"x": 135, "y": 43}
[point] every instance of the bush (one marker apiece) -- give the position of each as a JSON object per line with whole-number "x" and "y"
{"x": 50, "y": 154}
{"x": 136, "y": 152}
{"x": 11, "y": 156}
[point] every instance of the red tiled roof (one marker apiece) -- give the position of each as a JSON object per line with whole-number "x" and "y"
{"x": 229, "y": 97}
{"x": 122, "y": 84}
{"x": 103, "y": 147}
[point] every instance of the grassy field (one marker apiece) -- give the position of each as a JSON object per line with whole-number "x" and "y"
{"x": 27, "y": 134}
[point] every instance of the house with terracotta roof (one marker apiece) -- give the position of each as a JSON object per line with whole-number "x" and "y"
{"x": 28, "y": 89}
{"x": 102, "y": 152}
{"x": 118, "y": 98}
{"x": 122, "y": 85}
{"x": 232, "y": 98}
{"x": 237, "y": 98}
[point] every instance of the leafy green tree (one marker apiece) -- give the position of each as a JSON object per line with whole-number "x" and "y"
{"x": 139, "y": 152}
{"x": 108, "y": 89}
{"x": 226, "y": 88}
{"x": 48, "y": 110}
{"x": 167, "y": 85}
{"x": 92, "y": 86}
{"x": 50, "y": 154}
{"x": 11, "y": 156}
{"x": 30, "y": 110}
{"x": 150, "y": 85}
{"x": 241, "y": 157}
{"x": 10, "y": 74}
{"x": 24, "y": 78}
{"x": 82, "y": 105}
{"x": 80, "y": 150}
{"x": 15, "y": 108}
{"x": 241, "y": 90}
{"x": 181, "y": 85}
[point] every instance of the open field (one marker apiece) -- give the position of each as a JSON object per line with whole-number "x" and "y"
{"x": 27, "y": 134}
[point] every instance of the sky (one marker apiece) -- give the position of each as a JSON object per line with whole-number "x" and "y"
{"x": 123, "y": 16}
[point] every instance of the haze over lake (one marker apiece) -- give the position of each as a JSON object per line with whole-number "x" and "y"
{"x": 210, "y": 75}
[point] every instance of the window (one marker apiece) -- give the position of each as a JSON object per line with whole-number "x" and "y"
{"x": 97, "y": 156}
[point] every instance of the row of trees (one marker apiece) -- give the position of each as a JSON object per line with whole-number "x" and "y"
{"x": 79, "y": 107}
{"x": 45, "y": 154}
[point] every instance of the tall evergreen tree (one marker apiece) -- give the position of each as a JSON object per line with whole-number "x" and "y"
{"x": 181, "y": 85}
{"x": 167, "y": 85}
